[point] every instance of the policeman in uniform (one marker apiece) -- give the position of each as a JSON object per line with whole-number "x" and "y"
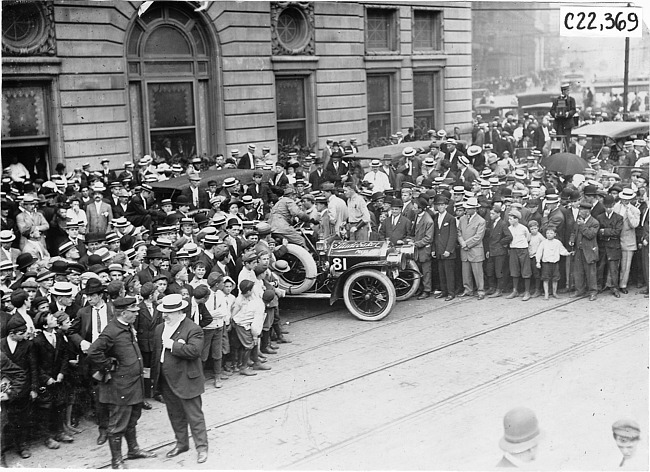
{"x": 117, "y": 356}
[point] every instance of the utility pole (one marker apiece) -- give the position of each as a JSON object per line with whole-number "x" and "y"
{"x": 626, "y": 72}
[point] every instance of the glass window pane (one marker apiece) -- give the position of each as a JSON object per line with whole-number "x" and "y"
{"x": 198, "y": 41}
{"x": 423, "y": 122}
{"x": 426, "y": 29}
{"x": 171, "y": 105}
{"x": 168, "y": 67}
{"x": 166, "y": 40}
{"x": 178, "y": 15}
{"x": 378, "y": 93}
{"x": 152, "y": 14}
{"x": 134, "y": 40}
{"x": 423, "y": 95}
{"x": 290, "y": 98}
{"x": 378, "y": 128}
{"x": 379, "y": 24}
{"x": 173, "y": 146}
{"x": 23, "y": 113}
{"x": 292, "y": 133}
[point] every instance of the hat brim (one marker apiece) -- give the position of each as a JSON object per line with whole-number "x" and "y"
{"x": 281, "y": 271}
{"x": 515, "y": 448}
{"x": 183, "y": 305}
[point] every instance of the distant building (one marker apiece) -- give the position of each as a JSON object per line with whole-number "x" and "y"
{"x": 86, "y": 80}
{"x": 513, "y": 39}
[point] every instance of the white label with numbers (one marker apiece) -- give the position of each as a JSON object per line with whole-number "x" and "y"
{"x": 613, "y": 22}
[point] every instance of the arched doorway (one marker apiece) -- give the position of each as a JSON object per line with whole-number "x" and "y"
{"x": 169, "y": 60}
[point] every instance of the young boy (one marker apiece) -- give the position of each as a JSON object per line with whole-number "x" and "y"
{"x": 246, "y": 309}
{"x": 536, "y": 239}
{"x": 228, "y": 360}
{"x": 548, "y": 257}
{"x": 200, "y": 270}
{"x": 518, "y": 254}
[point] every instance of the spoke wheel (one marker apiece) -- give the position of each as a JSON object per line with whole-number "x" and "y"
{"x": 302, "y": 270}
{"x": 369, "y": 295}
{"x": 407, "y": 282}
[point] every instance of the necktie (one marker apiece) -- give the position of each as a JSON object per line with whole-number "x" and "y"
{"x": 99, "y": 320}
{"x": 52, "y": 340}
{"x": 394, "y": 221}
{"x": 196, "y": 198}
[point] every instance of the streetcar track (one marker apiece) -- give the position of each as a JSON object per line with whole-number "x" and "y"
{"x": 469, "y": 394}
{"x": 380, "y": 368}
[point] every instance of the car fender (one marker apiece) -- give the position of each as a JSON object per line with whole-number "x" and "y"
{"x": 337, "y": 291}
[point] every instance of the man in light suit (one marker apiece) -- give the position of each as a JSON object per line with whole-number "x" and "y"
{"x": 337, "y": 210}
{"x": 178, "y": 372}
{"x": 395, "y": 227}
{"x": 471, "y": 230}
{"x": 8, "y": 253}
{"x": 422, "y": 237}
{"x": 408, "y": 168}
{"x": 445, "y": 235}
{"x": 100, "y": 213}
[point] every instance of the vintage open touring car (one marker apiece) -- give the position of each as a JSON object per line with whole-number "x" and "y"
{"x": 370, "y": 276}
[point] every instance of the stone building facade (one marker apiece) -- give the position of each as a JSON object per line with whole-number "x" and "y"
{"x": 84, "y": 81}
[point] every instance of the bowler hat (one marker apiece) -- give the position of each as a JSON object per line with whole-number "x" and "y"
{"x": 521, "y": 430}
{"x": 94, "y": 286}
{"x": 154, "y": 252}
{"x": 590, "y": 190}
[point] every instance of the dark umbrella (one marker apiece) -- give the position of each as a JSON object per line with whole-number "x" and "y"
{"x": 565, "y": 163}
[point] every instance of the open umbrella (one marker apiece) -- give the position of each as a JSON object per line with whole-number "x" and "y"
{"x": 565, "y": 163}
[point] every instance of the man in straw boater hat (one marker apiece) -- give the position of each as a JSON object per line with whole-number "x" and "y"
{"x": 471, "y": 229}
{"x": 521, "y": 437}
{"x": 117, "y": 356}
{"x": 177, "y": 372}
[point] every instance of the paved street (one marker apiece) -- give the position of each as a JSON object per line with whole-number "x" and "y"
{"x": 426, "y": 388}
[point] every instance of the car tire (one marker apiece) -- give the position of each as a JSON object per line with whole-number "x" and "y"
{"x": 302, "y": 273}
{"x": 409, "y": 277}
{"x": 369, "y": 294}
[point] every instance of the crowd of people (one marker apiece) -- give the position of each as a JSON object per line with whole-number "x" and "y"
{"x": 84, "y": 254}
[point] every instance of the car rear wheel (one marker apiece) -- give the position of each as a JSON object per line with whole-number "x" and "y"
{"x": 408, "y": 281}
{"x": 369, "y": 295}
{"x": 302, "y": 270}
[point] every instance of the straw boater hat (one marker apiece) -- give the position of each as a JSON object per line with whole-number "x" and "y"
{"x": 172, "y": 303}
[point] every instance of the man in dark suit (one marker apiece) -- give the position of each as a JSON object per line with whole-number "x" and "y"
{"x": 86, "y": 328}
{"x": 247, "y": 161}
{"x": 108, "y": 175}
{"x": 117, "y": 356}
{"x": 395, "y": 226}
{"x": 498, "y": 241}
{"x": 586, "y": 252}
{"x": 279, "y": 180}
{"x": 453, "y": 153}
{"x": 148, "y": 319}
{"x": 177, "y": 371}
{"x": 317, "y": 176}
{"x": 445, "y": 235}
{"x": 422, "y": 231}
{"x": 139, "y": 211}
{"x": 609, "y": 246}
{"x": 20, "y": 351}
{"x": 590, "y": 193}
{"x": 197, "y": 197}
{"x": 152, "y": 269}
{"x": 262, "y": 191}
{"x": 562, "y": 110}
{"x": 408, "y": 168}
{"x": 335, "y": 170}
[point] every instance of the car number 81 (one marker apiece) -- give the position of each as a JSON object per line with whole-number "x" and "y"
{"x": 339, "y": 263}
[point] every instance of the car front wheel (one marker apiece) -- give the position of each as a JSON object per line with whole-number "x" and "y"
{"x": 369, "y": 295}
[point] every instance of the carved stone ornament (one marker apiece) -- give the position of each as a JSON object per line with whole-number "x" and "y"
{"x": 292, "y": 28}
{"x": 28, "y": 28}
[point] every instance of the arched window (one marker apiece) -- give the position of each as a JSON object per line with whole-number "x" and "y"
{"x": 168, "y": 56}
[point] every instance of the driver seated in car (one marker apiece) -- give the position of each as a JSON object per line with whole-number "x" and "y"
{"x": 282, "y": 214}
